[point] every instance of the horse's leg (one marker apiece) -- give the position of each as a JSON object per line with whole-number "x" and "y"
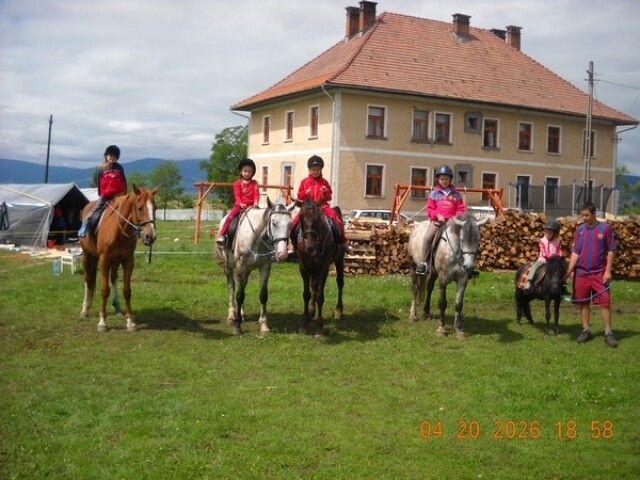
{"x": 527, "y": 310}
{"x": 243, "y": 278}
{"x": 426, "y": 309}
{"x": 340, "y": 282}
{"x": 115, "y": 301}
{"x": 318, "y": 294}
{"x": 518, "y": 296}
{"x": 231, "y": 293}
{"x": 265, "y": 271}
{"x": 127, "y": 271}
{"x": 547, "y": 313}
{"x": 442, "y": 304}
{"x": 105, "y": 271}
{"x": 306, "y": 298}
{"x": 90, "y": 267}
{"x": 556, "y": 313}
{"x": 457, "y": 321}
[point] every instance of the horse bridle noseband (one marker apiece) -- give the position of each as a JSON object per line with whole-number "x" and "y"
{"x": 275, "y": 209}
{"x": 137, "y": 227}
{"x": 460, "y": 252}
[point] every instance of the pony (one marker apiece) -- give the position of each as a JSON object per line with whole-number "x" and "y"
{"x": 317, "y": 248}
{"x": 453, "y": 259}
{"x": 548, "y": 286}
{"x": 126, "y": 219}
{"x": 261, "y": 236}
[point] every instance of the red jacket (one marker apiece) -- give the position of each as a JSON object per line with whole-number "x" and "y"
{"x": 111, "y": 180}
{"x": 319, "y": 189}
{"x": 245, "y": 193}
{"x": 447, "y": 203}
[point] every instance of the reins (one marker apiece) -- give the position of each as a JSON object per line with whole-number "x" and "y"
{"x": 136, "y": 227}
{"x": 269, "y": 235}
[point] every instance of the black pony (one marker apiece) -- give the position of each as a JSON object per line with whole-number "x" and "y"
{"x": 548, "y": 285}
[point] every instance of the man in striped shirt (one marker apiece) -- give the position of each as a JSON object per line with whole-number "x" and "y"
{"x": 592, "y": 261}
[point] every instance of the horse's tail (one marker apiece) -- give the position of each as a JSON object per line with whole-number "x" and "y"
{"x": 421, "y": 282}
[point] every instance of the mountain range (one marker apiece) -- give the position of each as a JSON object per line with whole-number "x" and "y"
{"x": 18, "y": 171}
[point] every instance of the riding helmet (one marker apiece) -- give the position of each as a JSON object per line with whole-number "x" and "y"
{"x": 315, "y": 161}
{"x": 247, "y": 162}
{"x": 112, "y": 150}
{"x": 444, "y": 170}
{"x": 552, "y": 225}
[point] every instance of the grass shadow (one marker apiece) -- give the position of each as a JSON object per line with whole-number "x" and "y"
{"x": 171, "y": 319}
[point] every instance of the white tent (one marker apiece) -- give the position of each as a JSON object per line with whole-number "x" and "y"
{"x": 26, "y": 211}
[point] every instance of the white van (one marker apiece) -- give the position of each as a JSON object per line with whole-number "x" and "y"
{"x": 373, "y": 216}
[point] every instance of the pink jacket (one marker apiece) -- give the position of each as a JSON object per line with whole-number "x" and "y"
{"x": 447, "y": 203}
{"x": 548, "y": 249}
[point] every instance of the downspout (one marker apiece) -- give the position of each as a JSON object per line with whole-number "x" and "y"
{"x": 248, "y": 117}
{"x": 335, "y": 143}
{"x": 616, "y": 191}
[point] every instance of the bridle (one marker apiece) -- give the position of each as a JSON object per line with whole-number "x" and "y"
{"x": 314, "y": 235}
{"x": 137, "y": 226}
{"x": 275, "y": 210}
{"x": 460, "y": 252}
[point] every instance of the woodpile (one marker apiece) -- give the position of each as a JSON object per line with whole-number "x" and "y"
{"x": 506, "y": 243}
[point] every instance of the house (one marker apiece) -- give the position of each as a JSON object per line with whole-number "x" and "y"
{"x": 399, "y": 95}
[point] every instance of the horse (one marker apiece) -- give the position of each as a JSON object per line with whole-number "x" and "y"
{"x": 317, "y": 248}
{"x": 548, "y": 286}
{"x": 126, "y": 219}
{"x": 454, "y": 256}
{"x": 261, "y": 236}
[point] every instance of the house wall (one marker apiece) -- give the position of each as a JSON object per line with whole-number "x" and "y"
{"x": 398, "y": 154}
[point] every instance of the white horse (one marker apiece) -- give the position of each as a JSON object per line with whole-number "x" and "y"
{"x": 454, "y": 258}
{"x": 261, "y": 236}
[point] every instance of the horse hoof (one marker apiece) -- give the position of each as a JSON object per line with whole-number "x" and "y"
{"x": 236, "y": 331}
{"x": 441, "y": 333}
{"x": 231, "y": 321}
{"x": 102, "y": 328}
{"x": 460, "y": 336}
{"x": 132, "y": 328}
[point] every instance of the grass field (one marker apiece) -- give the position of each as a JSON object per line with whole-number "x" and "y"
{"x": 377, "y": 397}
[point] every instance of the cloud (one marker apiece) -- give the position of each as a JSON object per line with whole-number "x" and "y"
{"x": 158, "y": 77}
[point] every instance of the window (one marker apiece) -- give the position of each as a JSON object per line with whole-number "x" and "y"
{"x": 490, "y": 133}
{"x": 418, "y": 178}
{"x": 420, "y": 126}
{"x": 443, "y": 129}
{"x": 488, "y": 181}
{"x": 551, "y": 191}
{"x": 266, "y": 129}
{"x": 524, "y": 136}
{"x": 463, "y": 175}
{"x": 375, "y": 122}
{"x": 584, "y": 144}
{"x": 472, "y": 122}
{"x": 313, "y": 121}
{"x": 523, "y": 189}
{"x": 553, "y": 139}
{"x": 265, "y": 177}
{"x": 287, "y": 175}
{"x": 288, "y": 122}
{"x": 373, "y": 185}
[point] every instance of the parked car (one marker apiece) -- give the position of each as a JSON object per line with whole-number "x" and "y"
{"x": 373, "y": 216}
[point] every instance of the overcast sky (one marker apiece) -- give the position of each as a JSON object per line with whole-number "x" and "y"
{"x": 157, "y": 77}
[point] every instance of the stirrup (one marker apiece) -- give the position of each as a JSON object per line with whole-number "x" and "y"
{"x": 83, "y": 231}
{"x": 221, "y": 240}
{"x": 421, "y": 269}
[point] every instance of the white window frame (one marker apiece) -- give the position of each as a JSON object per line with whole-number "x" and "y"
{"x": 385, "y": 110}
{"x": 496, "y": 142}
{"x": 450, "y": 139}
{"x": 366, "y": 178}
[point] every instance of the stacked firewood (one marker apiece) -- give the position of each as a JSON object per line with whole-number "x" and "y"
{"x": 506, "y": 243}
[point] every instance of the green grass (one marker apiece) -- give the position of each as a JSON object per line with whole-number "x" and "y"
{"x": 183, "y": 398}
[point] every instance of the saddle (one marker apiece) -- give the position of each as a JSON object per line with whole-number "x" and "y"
{"x": 434, "y": 245}
{"x": 522, "y": 279}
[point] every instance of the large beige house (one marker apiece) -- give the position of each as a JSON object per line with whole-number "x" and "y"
{"x": 399, "y": 96}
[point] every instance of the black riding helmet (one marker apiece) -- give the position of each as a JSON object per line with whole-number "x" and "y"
{"x": 247, "y": 162}
{"x": 552, "y": 225}
{"x": 315, "y": 161}
{"x": 112, "y": 150}
{"x": 444, "y": 170}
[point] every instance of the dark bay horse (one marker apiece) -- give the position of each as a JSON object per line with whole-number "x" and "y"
{"x": 548, "y": 286}
{"x": 453, "y": 260}
{"x": 261, "y": 237}
{"x": 317, "y": 249}
{"x": 126, "y": 219}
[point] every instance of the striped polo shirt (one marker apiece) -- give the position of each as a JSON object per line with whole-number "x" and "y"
{"x": 592, "y": 244}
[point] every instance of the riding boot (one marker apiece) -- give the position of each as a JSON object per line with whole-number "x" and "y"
{"x": 83, "y": 230}
{"x": 423, "y": 267}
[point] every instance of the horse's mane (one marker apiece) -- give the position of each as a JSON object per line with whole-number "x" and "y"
{"x": 469, "y": 229}
{"x": 556, "y": 265}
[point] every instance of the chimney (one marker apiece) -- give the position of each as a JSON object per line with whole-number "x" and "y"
{"x": 513, "y": 36}
{"x": 353, "y": 20}
{"x": 461, "y": 24}
{"x": 367, "y": 14}
{"x": 499, "y": 33}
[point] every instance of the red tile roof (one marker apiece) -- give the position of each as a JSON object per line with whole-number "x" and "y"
{"x": 411, "y": 55}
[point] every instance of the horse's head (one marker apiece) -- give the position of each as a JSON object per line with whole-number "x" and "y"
{"x": 144, "y": 214}
{"x": 554, "y": 272}
{"x": 469, "y": 239}
{"x": 279, "y": 224}
{"x": 312, "y": 227}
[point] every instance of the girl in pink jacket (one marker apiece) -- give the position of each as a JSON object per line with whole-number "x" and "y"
{"x": 549, "y": 246}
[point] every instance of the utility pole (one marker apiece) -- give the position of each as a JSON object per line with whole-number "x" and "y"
{"x": 587, "y": 139}
{"x": 46, "y": 168}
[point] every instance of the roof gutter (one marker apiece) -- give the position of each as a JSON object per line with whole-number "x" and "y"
{"x": 335, "y": 138}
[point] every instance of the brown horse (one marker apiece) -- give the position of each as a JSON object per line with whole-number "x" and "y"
{"x": 125, "y": 219}
{"x": 317, "y": 249}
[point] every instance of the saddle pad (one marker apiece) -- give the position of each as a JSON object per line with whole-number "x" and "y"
{"x": 522, "y": 280}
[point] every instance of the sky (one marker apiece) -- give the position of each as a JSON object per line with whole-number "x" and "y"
{"x": 158, "y": 77}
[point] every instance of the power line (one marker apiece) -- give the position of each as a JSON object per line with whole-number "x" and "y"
{"x": 618, "y": 84}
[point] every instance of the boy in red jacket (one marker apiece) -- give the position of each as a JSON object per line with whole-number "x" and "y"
{"x": 111, "y": 182}
{"x": 444, "y": 202}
